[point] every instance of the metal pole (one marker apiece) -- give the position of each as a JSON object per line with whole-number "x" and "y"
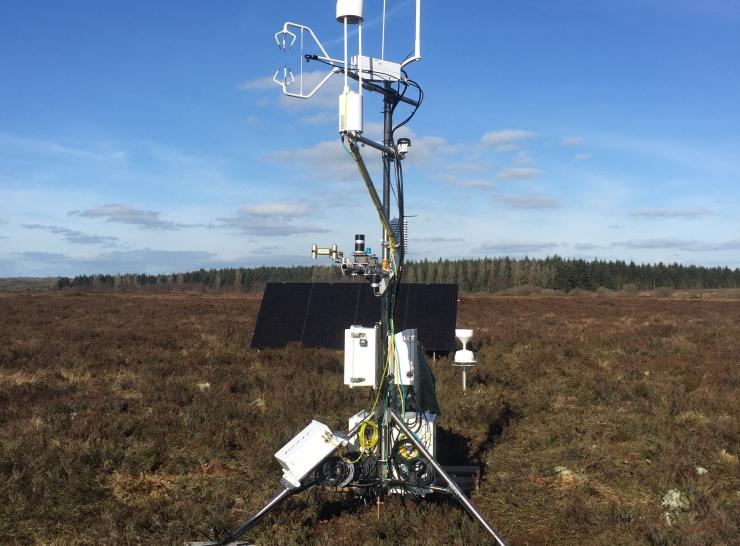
{"x": 255, "y": 519}
{"x": 386, "y": 297}
{"x": 465, "y": 378}
{"x": 465, "y": 501}
{"x": 387, "y": 142}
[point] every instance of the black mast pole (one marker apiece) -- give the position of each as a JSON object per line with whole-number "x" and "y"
{"x": 388, "y": 101}
{"x": 387, "y": 142}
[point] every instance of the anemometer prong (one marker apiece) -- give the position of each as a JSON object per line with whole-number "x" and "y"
{"x": 280, "y": 38}
{"x": 332, "y": 251}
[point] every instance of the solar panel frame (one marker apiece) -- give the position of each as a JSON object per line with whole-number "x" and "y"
{"x": 316, "y": 314}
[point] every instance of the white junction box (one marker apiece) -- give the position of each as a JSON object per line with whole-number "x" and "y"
{"x": 406, "y": 357}
{"x": 377, "y": 69}
{"x": 424, "y": 427}
{"x": 356, "y": 419}
{"x": 361, "y": 346}
{"x": 307, "y": 449}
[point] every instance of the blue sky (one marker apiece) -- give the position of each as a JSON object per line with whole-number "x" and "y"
{"x": 148, "y": 137}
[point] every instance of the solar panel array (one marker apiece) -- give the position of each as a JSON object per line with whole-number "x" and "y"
{"x": 316, "y": 314}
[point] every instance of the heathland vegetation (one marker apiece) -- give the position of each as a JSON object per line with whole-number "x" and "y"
{"x": 137, "y": 418}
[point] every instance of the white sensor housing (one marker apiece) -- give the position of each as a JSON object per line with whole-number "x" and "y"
{"x": 350, "y": 112}
{"x": 350, "y": 10}
{"x": 464, "y": 356}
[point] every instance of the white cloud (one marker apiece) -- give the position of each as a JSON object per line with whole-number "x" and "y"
{"x": 523, "y": 158}
{"x": 526, "y": 201}
{"x": 326, "y": 160}
{"x": 516, "y": 247}
{"x": 519, "y": 173}
{"x": 679, "y": 244}
{"x": 506, "y": 139}
{"x": 439, "y": 240}
{"x": 680, "y": 213}
{"x": 586, "y": 246}
{"x": 430, "y": 150}
{"x": 572, "y": 141}
{"x": 324, "y": 98}
{"x": 124, "y": 214}
{"x": 259, "y": 84}
{"x": 278, "y": 209}
{"x": 581, "y": 157}
{"x": 276, "y": 219}
{"x": 75, "y": 237}
{"x": 52, "y": 148}
{"x": 320, "y": 118}
{"x": 458, "y": 182}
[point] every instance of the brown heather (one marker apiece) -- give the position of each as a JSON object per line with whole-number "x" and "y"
{"x": 146, "y": 419}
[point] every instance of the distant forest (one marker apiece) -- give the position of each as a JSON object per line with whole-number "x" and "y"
{"x": 474, "y": 275}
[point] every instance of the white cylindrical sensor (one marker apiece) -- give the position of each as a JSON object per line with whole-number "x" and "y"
{"x": 350, "y": 10}
{"x": 350, "y": 112}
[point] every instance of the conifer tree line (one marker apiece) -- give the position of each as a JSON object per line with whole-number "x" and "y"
{"x": 473, "y": 275}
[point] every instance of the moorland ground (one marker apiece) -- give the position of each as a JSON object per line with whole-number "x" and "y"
{"x": 146, "y": 419}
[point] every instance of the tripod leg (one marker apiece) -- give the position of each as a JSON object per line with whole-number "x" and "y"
{"x": 255, "y": 519}
{"x": 465, "y": 501}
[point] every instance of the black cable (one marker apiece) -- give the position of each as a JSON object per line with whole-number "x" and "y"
{"x": 419, "y": 101}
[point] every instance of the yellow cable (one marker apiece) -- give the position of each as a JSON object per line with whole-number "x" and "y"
{"x": 366, "y": 444}
{"x": 382, "y": 377}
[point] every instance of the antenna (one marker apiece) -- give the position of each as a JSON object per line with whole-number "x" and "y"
{"x": 390, "y": 447}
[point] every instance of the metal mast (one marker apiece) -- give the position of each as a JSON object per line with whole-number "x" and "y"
{"x": 398, "y": 459}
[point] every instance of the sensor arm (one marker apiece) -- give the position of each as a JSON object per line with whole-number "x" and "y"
{"x": 355, "y": 151}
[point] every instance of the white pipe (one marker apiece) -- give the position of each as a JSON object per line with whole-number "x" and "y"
{"x": 382, "y": 36}
{"x": 417, "y": 42}
{"x": 359, "y": 58}
{"x": 418, "y": 30}
{"x": 346, "y": 63}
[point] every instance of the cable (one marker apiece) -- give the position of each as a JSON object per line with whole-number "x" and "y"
{"x": 365, "y": 443}
{"x": 419, "y": 101}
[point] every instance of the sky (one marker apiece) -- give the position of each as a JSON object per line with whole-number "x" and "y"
{"x": 149, "y": 137}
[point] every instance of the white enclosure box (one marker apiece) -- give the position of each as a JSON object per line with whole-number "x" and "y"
{"x": 350, "y": 112}
{"x": 377, "y": 69}
{"x": 406, "y": 350}
{"x": 307, "y": 449}
{"x": 361, "y": 346}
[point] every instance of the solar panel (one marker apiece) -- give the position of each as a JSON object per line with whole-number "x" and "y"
{"x": 316, "y": 314}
